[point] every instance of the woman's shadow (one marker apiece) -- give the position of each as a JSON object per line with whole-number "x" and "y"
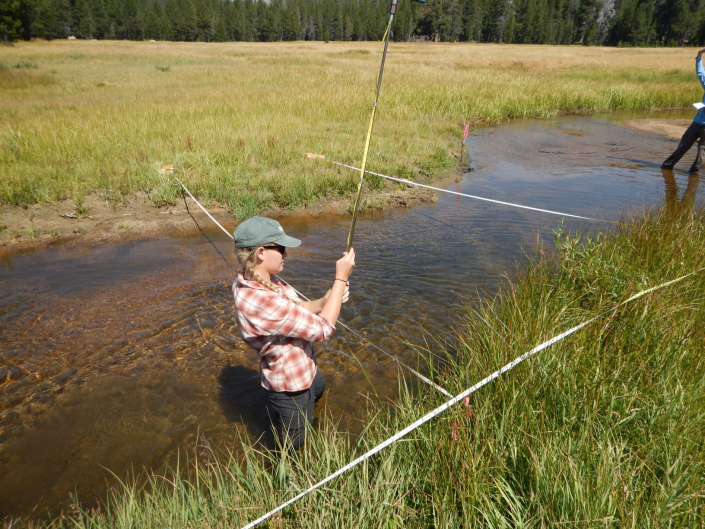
{"x": 243, "y": 399}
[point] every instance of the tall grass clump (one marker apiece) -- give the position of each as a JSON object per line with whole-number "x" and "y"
{"x": 603, "y": 429}
{"x": 237, "y": 119}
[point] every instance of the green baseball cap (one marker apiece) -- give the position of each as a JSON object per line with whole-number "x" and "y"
{"x": 258, "y": 231}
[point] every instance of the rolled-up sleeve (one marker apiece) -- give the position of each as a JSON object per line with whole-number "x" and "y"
{"x": 272, "y": 314}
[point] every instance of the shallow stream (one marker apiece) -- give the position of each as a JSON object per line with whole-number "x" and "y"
{"x": 116, "y": 358}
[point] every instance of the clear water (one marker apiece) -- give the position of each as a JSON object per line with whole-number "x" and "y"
{"x": 116, "y": 358}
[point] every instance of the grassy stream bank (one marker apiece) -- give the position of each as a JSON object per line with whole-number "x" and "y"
{"x": 603, "y": 429}
{"x": 235, "y": 119}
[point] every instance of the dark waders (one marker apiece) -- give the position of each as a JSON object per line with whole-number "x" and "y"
{"x": 293, "y": 410}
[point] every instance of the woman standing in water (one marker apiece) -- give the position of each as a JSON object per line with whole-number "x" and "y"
{"x": 281, "y": 328}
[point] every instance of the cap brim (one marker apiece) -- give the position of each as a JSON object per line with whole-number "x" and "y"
{"x": 288, "y": 242}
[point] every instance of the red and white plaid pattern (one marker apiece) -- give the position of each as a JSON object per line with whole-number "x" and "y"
{"x": 281, "y": 332}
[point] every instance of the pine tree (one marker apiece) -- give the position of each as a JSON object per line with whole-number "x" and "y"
{"x": 700, "y": 22}
{"x": 682, "y": 24}
{"x": 39, "y": 19}
{"x": 245, "y": 29}
{"x": 152, "y": 22}
{"x": 348, "y": 27}
{"x": 165, "y": 30}
{"x": 454, "y": 11}
{"x": 252, "y": 21}
{"x": 556, "y": 21}
{"x": 100, "y": 18}
{"x": 336, "y": 31}
{"x": 63, "y": 21}
{"x": 472, "y": 20}
{"x": 270, "y": 26}
{"x": 172, "y": 14}
{"x": 234, "y": 19}
{"x": 132, "y": 17}
{"x": 86, "y": 22}
{"x": 10, "y": 25}
{"x": 220, "y": 34}
{"x": 586, "y": 21}
{"x": 404, "y": 23}
{"x": 291, "y": 25}
{"x": 510, "y": 25}
{"x": 500, "y": 14}
{"x": 639, "y": 30}
{"x": 191, "y": 20}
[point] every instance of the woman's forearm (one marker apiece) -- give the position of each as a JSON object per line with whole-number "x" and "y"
{"x": 315, "y": 306}
{"x": 334, "y": 299}
{"x": 331, "y": 308}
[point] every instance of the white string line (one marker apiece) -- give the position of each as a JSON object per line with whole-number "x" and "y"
{"x": 204, "y": 209}
{"x": 440, "y": 409}
{"x": 422, "y": 377}
{"x": 409, "y": 182}
{"x": 361, "y": 337}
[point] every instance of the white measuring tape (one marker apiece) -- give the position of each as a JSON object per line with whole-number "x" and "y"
{"x": 409, "y": 182}
{"x": 440, "y": 409}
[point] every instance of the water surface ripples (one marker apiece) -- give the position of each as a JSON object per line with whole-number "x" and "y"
{"x": 116, "y": 357}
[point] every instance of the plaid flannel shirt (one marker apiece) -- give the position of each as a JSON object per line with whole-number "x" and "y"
{"x": 281, "y": 332}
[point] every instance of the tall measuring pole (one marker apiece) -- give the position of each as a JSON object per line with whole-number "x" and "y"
{"x": 351, "y": 234}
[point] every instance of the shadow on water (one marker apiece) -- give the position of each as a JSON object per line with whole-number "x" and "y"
{"x": 122, "y": 356}
{"x": 238, "y": 384}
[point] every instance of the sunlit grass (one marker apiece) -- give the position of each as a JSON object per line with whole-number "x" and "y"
{"x": 235, "y": 119}
{"x": 603, "y": 429}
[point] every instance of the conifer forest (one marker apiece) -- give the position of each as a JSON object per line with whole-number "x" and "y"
{"x": 586, "y": 22}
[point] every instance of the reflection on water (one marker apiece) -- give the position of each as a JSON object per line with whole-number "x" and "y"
{"x": 117, "y": 357}
{"x": 672, "y": 204}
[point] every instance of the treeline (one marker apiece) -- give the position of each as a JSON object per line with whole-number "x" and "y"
{"x": 589, "y": 22}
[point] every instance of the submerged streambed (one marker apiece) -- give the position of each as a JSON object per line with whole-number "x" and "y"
{"x": 118, "y": 358}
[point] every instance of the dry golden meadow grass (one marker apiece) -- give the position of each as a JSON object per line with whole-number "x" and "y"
{"x": 235, "y": 119}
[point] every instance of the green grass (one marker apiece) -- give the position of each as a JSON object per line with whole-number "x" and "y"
{"x": 80, "y": 207}
{"x": 603, "y": 429}
{"x": 235, "y": 119}
{"x": 18, "y": 65}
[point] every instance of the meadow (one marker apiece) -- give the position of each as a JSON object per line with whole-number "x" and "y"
{"x": 235, "y": 119}
{"x": 603, "y": 429}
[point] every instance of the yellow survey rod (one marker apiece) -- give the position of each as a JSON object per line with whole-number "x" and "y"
{"x": 362, "y": 178}
{"x": 351, "y": 234}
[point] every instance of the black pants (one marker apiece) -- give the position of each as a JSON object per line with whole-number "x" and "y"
{"x": 696, "y": 131}
{"x": 294, "y": 409}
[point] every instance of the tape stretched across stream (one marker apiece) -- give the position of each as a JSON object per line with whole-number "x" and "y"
{"x": 472, "y": 389}
{"x": 500, "y": 202}
{"x": 443, "y": 407}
